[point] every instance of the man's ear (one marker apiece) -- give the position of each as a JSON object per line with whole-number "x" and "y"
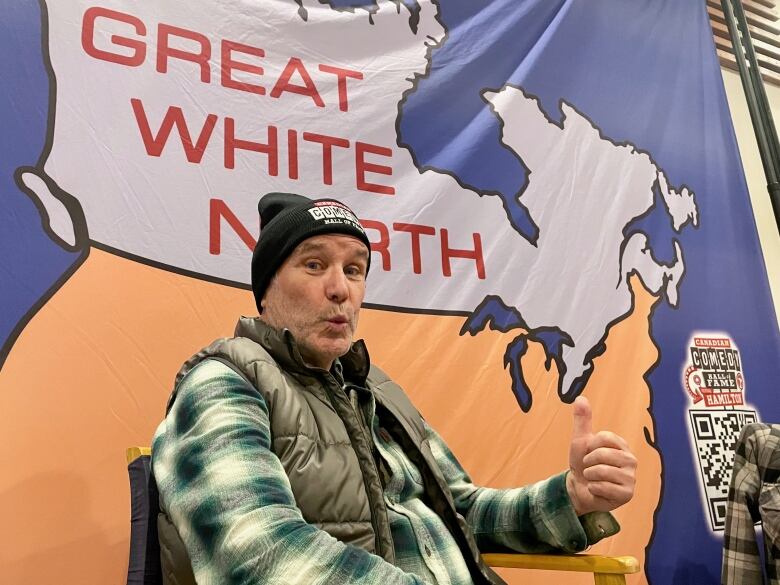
{"x": 264, "y": 300}
{"x": 263, "y": 303}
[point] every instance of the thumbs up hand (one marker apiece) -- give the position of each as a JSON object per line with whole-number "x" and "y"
{"x": 603, "y": 469}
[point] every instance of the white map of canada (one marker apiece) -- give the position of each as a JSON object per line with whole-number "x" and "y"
{"x": 582, "y": 193}
{"x": 564, "y": 286}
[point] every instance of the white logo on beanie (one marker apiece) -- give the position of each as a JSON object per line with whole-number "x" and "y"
{"x": 334, "y": 213}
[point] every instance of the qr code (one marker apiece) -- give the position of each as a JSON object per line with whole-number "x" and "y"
{"x": 715, "y": 432}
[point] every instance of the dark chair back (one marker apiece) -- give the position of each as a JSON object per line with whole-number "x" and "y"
{"x": 144, "y": 562}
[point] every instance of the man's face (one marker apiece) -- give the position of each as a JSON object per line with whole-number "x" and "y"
{"x": 317, "y": 293}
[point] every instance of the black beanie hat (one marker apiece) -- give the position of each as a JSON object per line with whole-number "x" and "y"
{"x": 286, "y": 219}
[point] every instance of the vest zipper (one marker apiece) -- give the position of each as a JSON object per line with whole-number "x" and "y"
{"x": 374, "y": 506}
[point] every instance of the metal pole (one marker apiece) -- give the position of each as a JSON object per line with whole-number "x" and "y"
{"x": 757, "y": 81}
{"x": 758, "y": 105}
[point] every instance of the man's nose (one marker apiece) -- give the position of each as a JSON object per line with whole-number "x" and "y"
{"x": 336, "y": 285}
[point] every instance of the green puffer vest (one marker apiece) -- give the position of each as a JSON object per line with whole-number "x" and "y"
{"x": 325, "y": 447}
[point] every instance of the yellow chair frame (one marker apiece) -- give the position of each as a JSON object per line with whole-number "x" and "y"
{"x": 606, "y": 570}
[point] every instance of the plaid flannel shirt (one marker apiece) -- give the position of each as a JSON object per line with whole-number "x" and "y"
{"x": 230, "y": 499}
{"x": 754, "y": 494}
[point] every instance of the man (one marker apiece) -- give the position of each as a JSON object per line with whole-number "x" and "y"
{"x": 285, "y": 457}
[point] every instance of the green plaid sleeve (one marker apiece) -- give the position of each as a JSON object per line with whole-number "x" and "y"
{"x": 533, "y": 519}
{"x": 229, "y": 497}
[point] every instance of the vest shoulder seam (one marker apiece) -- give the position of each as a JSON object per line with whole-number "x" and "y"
{"x": 312, "y": 439}
{"x": 323, "y": 522}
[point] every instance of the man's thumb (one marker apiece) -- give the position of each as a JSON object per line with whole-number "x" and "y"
{"x": 583, "y": 417}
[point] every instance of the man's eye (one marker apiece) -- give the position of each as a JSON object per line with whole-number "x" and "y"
{"x": 353, "y": 271}
{"x": 313, "y": 265}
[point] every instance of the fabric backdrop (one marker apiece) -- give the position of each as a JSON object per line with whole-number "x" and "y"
{"x": 556, "y": 204}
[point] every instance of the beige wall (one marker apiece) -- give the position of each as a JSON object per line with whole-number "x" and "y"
{"x": 762, "y": 208}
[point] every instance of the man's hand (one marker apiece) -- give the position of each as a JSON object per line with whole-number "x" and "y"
{"x": 603, "y": 469}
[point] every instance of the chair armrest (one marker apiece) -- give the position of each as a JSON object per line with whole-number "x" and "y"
{"x": 579, "y": 562}
{"x": 134, "y": 453}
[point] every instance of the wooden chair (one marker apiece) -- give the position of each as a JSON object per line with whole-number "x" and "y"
{"x": 606, "y": 570}
{"x": 134, "y": 453}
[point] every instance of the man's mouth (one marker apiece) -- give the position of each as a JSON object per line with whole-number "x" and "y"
{"x": 339, "y": 320}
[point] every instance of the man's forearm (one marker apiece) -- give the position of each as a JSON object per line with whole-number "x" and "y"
{"x": 535, "y": 518}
